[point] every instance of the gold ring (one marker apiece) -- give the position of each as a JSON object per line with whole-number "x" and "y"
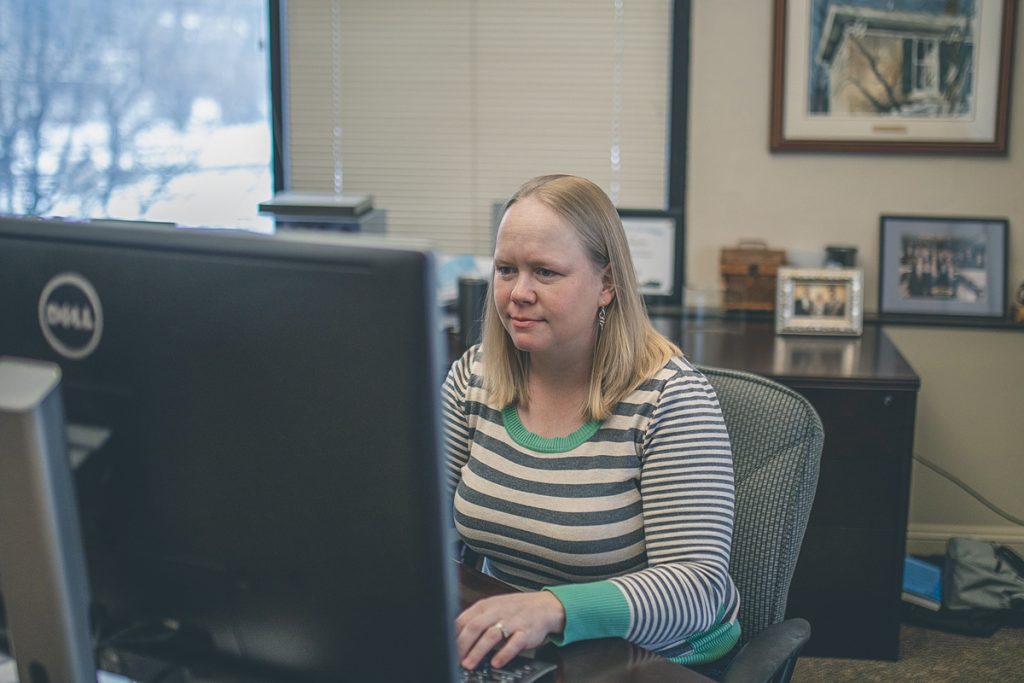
{"x": 501, "y": 627}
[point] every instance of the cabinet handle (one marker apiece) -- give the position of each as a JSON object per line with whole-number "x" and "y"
{"x": 887, "y": 400}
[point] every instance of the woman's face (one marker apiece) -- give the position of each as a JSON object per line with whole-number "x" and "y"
{"x": 547, "y": 290}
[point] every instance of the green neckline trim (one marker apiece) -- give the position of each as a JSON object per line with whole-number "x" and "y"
{"x": 559, "y": 444}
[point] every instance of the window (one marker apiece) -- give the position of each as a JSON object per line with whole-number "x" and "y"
{"x": 439, "y": 110}
{"x": 926, "y": 66}
{"x": 135, "y": 109}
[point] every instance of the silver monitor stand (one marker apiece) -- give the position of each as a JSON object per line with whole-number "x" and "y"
{"x": 42, "y": 562}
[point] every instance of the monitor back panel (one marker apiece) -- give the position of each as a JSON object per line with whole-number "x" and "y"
{"x": 270, "y": 469}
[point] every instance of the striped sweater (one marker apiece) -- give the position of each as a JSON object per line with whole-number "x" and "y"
{"x": 627, "y": 521}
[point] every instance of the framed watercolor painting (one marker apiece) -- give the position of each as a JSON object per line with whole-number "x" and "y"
{"x": 892, "y": 75}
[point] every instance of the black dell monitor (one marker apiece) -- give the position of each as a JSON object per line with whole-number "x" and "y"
{"x": 253, "y": 426}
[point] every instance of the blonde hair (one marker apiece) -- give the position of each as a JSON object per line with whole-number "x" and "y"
{"x": 628, "y": 350}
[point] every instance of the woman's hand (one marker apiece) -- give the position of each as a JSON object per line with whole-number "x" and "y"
{"x": 525, "y": 618}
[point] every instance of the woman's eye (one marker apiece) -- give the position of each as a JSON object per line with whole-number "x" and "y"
{"x": 503, "y": 270}
{"x": 544, "y": 272}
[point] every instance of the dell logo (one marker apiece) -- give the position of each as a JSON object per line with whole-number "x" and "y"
{"x": 70, "y": 315}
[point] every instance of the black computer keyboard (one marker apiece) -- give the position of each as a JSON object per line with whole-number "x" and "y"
{"x": 519, "y": 670}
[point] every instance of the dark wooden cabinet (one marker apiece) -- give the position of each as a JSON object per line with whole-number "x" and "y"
{"x": 849, "y": 576}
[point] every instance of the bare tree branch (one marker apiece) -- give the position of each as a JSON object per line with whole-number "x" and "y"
{"x": 84, "y": 82}
{"x": 894, "y": 101}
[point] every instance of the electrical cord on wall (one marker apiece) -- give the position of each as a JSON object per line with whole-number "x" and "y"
{"x": 959, "y": 482}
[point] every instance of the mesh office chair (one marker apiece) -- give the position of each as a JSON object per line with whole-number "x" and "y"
{"x": 776, "y": 440}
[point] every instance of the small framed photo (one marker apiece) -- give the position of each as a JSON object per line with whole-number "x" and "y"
{"x": 819, "y": 301}
{"x": 935, "y": 268}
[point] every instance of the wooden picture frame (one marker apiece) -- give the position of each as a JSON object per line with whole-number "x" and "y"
{"x": 848, "y": 76}
{"x": 940, "y": 269}
{"x": 827, "y": 301}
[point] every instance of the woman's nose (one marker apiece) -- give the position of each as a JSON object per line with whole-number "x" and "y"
{"x": 522, "y": 291}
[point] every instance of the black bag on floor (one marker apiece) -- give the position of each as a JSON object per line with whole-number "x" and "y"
{"x": 980, "y": 575}
{"x": 983, "y": 590}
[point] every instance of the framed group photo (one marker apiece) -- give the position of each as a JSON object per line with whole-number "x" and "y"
{"x": 934, "y": 268}
{"x": 892, "y": 76}
{"x": 827, "y": 301}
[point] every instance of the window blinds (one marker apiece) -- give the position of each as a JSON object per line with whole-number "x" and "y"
{"x": 441, "y": 109}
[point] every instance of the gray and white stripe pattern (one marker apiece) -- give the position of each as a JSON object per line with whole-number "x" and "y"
{"x": 646, "y": 501}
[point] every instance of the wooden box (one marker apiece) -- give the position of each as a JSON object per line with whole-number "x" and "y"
{"x": 748, "y": 271}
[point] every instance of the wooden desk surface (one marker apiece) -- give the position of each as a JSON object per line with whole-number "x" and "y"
{"x": 608, "y": 660}
{"x": 870, "y": 360}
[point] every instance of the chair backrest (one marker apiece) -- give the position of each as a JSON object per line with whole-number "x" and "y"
{"x": 776, "y": 440}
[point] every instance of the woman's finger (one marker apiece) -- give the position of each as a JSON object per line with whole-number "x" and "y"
{"x": 516, "y": 643}
{"x": 484, "y": 643}
{"x": 470, "y": 625}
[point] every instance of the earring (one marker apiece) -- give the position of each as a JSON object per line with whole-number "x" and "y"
{"x": 601, "y": 318}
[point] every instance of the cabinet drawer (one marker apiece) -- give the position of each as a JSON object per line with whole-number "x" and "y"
{"x": 861, "y": 493}
{"x": 866, "y": 422}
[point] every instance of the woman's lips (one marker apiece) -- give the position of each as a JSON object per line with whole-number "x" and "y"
{"x": 523, "y": 323}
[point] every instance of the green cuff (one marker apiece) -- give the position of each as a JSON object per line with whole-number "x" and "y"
{"x": 592, "y": 610}
{"x": 711, "y": 645}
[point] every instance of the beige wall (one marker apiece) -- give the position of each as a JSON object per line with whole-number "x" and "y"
{"x": 970, "y": 406}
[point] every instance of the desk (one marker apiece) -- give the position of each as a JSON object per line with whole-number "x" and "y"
{"x": 849, "y": 575}
{"x": 608, "y": 660}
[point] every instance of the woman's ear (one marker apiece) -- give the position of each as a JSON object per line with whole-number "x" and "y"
{"x": 607, "y": 287}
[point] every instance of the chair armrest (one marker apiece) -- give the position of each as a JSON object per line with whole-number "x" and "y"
{"x": 770, "y": 655}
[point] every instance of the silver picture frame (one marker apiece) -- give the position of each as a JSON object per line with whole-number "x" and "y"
{"x": 820, "y": 301}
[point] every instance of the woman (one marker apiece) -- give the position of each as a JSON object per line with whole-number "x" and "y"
{"x": 588, "y": 460}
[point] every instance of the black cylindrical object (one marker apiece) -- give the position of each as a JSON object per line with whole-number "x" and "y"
{"x": 471, "y": 297}
{"x": 840, "y": 256}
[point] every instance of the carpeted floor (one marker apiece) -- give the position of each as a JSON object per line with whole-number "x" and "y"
{"x": 928, "y": 655}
